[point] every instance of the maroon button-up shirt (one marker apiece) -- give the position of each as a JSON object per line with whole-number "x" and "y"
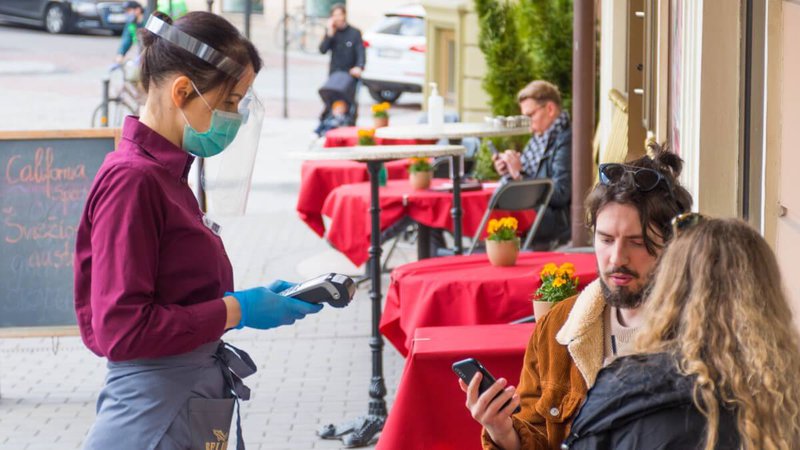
{"x": 149, "y": 275}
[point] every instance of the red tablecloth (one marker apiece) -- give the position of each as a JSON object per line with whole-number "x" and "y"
{"x": 319, "y": 178}
{"x": 428, "y": 411}
{"x": 348, "y": 208}
{"x": 467, "y": 290}
{"x": 348, "y": 137}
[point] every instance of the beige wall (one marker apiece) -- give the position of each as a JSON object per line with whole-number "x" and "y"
{"x": 472, "y": 102}
{"x": 788, "y": 226}
{"x": 612, "y": 60}
{"x": 718, "y": 162}
{"x": 708, "y": 111}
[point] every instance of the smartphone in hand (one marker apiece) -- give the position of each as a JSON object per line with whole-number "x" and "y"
{"x": 466, "y": 370}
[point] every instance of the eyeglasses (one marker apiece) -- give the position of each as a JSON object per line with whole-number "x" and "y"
{"x": 645, "y": 179}
{"x": 685, "y": 221}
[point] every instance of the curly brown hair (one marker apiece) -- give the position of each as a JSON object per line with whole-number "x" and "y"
{"x": 717, "y": 305}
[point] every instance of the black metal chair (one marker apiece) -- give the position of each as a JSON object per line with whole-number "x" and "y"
{"x": 518, "y": 195}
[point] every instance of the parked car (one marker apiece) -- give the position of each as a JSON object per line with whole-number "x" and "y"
{"x": 396, "y": 54}
{"x": 61, "y": 16}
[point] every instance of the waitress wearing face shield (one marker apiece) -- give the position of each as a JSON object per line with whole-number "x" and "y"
{"x": 152, "y": 280}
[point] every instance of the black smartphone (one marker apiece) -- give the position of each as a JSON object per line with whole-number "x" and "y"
{"x": 466, "y": 370}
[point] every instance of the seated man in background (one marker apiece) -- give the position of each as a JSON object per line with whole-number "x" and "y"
{"x": 629, "y": 212}
{"x": 548, "y": 154}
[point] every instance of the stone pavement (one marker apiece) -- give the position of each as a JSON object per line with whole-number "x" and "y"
{"x": 309, "y": 374}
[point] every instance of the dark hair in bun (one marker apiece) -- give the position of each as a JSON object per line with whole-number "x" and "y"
{"x": 161, "y": 58}
{"x": 656, "y": 207}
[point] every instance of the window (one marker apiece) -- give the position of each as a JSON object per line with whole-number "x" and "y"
{"x": 401, "y": 26}
{"x": 238, "y": 6}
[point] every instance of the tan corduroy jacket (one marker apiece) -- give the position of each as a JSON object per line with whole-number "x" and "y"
{"x": 561, "y": 362}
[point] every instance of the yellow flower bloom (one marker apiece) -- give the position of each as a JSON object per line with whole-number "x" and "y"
{"x": 368, "y": 132}
{"x": 509, "y": 222}
{"x": 548, "y": 270}
{"x": 494, "y": 225}
{"x": 558, "y": 282}
{"x": 568, "y": 268}
{"x": 381, "y": 107}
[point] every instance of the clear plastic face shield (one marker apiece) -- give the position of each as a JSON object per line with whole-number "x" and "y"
{"x": 227, "y": 177}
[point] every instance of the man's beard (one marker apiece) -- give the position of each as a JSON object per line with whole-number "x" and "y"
{"x": 622, "y": 297}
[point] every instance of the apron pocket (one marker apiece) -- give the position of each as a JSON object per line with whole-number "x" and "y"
{"x": 210, "y": 422}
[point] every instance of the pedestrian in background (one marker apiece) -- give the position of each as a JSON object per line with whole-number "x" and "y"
{"x": 344, "y": 42}
{"x": 347, "y": 57}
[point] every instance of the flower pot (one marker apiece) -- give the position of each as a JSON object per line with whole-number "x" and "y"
{"x": 381, "y": 122}
{"x": 502, "y": 253}
{"x": 541, "y": 308}
{"x": 420, "y": 180}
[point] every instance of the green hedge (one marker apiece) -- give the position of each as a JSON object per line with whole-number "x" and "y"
{"x": 546, "y": 34}
{"x": 522, "y": 41}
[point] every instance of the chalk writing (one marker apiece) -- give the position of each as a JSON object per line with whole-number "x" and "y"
{"x": 43, "y": 186}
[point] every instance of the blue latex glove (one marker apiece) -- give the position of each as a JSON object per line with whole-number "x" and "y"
{"x": 279, "y": 286}
{"x": 262, "y": 308}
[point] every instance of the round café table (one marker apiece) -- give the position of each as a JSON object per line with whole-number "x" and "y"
{"x": 348, "y": 137}
{"x": 455, "y": 130}
{"x": 374, "y": 156}
{"x": 468, "y": 290}
{"x": 319, "y": 178}
{"x": 347, "y": 207}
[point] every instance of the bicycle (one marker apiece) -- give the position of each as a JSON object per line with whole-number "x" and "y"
{"x": 304, "y": 32}
{"x": 123, "y": 81}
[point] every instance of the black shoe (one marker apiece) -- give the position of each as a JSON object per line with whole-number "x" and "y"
{"x": 365, "y": 434}
{"x": 331, "y": 431}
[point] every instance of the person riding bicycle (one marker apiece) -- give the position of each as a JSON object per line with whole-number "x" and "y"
{"x": 136, "y": 19}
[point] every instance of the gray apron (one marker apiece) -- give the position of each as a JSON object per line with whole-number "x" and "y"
{"x": 174, "y": 403}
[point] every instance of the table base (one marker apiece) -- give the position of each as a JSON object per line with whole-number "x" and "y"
{"x": 359, "y": 432}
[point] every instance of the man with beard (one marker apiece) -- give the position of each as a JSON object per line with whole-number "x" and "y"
{"x": 629, "y": 212}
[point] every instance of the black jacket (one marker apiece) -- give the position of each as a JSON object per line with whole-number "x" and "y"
{"x": 643, "y": 402}
{"x": 556, "y": 165}
{"x": 347, "y": 49}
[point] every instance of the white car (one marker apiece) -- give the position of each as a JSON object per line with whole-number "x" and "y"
{"x": 396, "y": 54}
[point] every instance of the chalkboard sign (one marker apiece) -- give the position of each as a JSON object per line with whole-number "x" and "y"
{"x": 44, "y": 181}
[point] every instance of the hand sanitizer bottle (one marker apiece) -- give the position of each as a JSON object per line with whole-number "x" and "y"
{"x": 435, "y": 108}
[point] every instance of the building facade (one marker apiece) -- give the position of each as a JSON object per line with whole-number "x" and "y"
{"x": 717, "y": 80}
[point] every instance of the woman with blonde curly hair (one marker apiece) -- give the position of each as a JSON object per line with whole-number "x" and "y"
{"x": 719, "y": 356}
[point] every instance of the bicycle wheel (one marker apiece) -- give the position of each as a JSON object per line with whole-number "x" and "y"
{"x": 293, "y": 30}
{"x": 313, "y": 32}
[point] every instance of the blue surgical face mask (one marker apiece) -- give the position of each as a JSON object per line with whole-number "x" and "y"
{"x": 220, "y": 134}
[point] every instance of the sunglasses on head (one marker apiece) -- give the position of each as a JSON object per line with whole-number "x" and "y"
{"x": 685, "y": 221}
{"x": 644, "y": 179}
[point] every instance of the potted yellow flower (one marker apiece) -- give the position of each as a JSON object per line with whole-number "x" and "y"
{"x": 380, "y": 113}
{"x": 558, "y": 283}
{"x": 502, "y": 244}
{"x": 420, "y": 173}
{"x": 366, "y": 136}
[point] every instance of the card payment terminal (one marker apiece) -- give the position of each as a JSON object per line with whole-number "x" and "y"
{"x": 334, "y": 289}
